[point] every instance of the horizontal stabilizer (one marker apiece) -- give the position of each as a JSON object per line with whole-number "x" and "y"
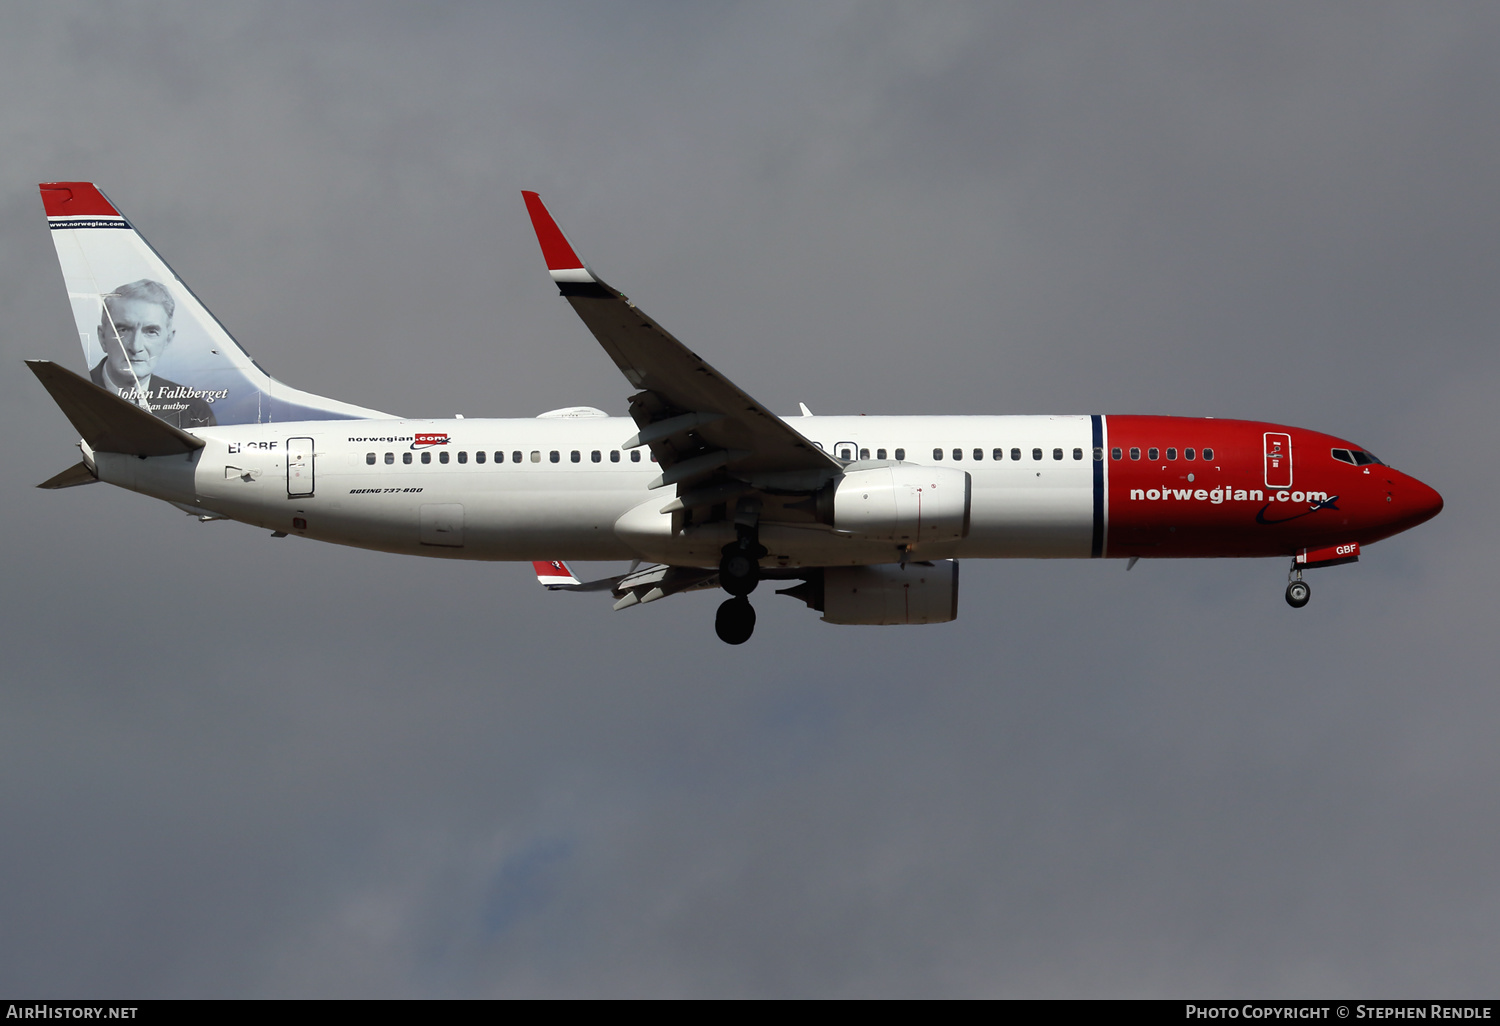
{"x": 107, "y": 422}
{"x": 78, "y": 474}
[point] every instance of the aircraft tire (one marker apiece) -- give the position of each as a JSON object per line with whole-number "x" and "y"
{"x": 738, "y": 573}
{"x": 735, "y": 621}
{"x": 1297, "y": 594}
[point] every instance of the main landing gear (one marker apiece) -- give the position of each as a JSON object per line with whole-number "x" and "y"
{"x": 739, "y": 573}
{"x": 1297, "y": 591}
{"x": 735, "y": 621}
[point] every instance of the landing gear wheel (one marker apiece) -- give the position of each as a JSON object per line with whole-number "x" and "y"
{"x": 735, "y": 621}
{"x": 739, "y": 570}
{"x": 1297, "y": 594}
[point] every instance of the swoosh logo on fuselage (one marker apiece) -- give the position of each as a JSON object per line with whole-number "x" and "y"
{"x": 1328, "y": 503}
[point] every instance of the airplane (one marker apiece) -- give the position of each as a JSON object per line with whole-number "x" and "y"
{"x": 864, "y": 519}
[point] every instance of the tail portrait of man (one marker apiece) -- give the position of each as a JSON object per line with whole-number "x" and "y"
{"x": 135, "y": 331}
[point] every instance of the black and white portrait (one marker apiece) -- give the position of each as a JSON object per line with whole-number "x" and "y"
{"x": 135, "y": 331}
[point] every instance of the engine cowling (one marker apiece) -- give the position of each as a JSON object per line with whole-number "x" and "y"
{"x": 891, "y": 594}
{"x": 903, "y": 502}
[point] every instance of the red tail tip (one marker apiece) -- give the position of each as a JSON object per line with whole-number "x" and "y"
{"x": 75, "y": 199}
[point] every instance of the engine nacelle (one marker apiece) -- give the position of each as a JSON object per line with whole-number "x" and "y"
{"x": 890, "y": 593}
{"x": 905, "y": 503}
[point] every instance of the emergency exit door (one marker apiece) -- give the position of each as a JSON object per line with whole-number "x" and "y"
{"x": 299, "y": 467}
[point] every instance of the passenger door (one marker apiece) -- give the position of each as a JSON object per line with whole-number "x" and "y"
{"x": 1278, "y": 460}
{"x": 299, "y": 467}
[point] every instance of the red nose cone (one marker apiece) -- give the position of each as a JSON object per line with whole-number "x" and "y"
{"x": 1415, "y": 502}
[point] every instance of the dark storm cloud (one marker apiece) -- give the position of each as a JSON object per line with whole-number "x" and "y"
{"x": 242, "y": 766}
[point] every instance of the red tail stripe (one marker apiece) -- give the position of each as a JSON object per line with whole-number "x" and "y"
{"x": 75, "y": 199}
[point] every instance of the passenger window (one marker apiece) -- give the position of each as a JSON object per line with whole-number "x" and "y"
{"x": 1208, "y": 454}
{"x": 880, "y": 454}
{"x": 900, "y": 454}
{"x": 1135, "y": 453}
{"x": 1172, "y": 453}
{"x": 958, "y": 454}
{"x": 443, "y": 457}
{"x": 555, "y": 456}
{"x": 1098, "y": 454}
{"x": 463, "y": 457}
{"x": 1057, "y": 454}
{"x": 370, "y": 458}
{"x": 390, "y": 458}
{"x": 1153, "y": 455}
{"x": 427, "y": 456}
{"x": 937, "y": 454}
{"x": 1115, "y": 454}
{"x": 846, "y": 454}
{"x": 479, "y": 457}
{"x": 575, "y": 456}
{"x": 998, "y": 455}
{"x": 595, "y": 456}
{"x": 1078, "y": 454}
{"x": 1036, "y": 454}
{"x": 614, "y": 455}
{"x": 653, "y": 457}
{"x": 864, "y": 454}
{"x": 635, "y": 455}
{"x": 978, "y": 455}
{"x": 406, "y": 457}
{"x": 1189, "y": 454}
{"x": 536, "y": 455}
{"x": 1015, "y": 454}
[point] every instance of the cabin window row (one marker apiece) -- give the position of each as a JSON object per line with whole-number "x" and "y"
{"x": 1015, "y": 454}
{"x": 516, "y": 456}
{"x": 847, "y": 453}
{"x": 1153, "y": 454}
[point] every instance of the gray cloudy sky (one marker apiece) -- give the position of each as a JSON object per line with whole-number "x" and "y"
{"x": 237, "y": 766}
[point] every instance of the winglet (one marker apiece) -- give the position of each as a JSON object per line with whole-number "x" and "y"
{"x": 562, "y": 261}
{"x": 554, "y": 573}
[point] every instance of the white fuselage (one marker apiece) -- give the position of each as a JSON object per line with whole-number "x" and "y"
{"x": 574, "y": 493}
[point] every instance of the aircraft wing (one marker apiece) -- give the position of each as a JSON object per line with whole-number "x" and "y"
{"x": 695, "y": 420}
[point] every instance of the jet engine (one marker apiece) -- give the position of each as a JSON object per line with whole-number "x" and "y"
{"x": 905, "y": 503}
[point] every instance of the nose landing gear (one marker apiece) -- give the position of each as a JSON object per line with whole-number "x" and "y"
{"x": 1297, "y": 591}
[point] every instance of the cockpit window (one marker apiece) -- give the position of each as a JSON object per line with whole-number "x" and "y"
{"x": 1355, "y": 457}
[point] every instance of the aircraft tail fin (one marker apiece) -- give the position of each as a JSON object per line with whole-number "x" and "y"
{"x": 147, "y": 337}
{"x": 107, "y": 422}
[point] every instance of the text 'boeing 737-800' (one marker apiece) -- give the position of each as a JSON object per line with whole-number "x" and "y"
{"x": 862, "y": 518}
